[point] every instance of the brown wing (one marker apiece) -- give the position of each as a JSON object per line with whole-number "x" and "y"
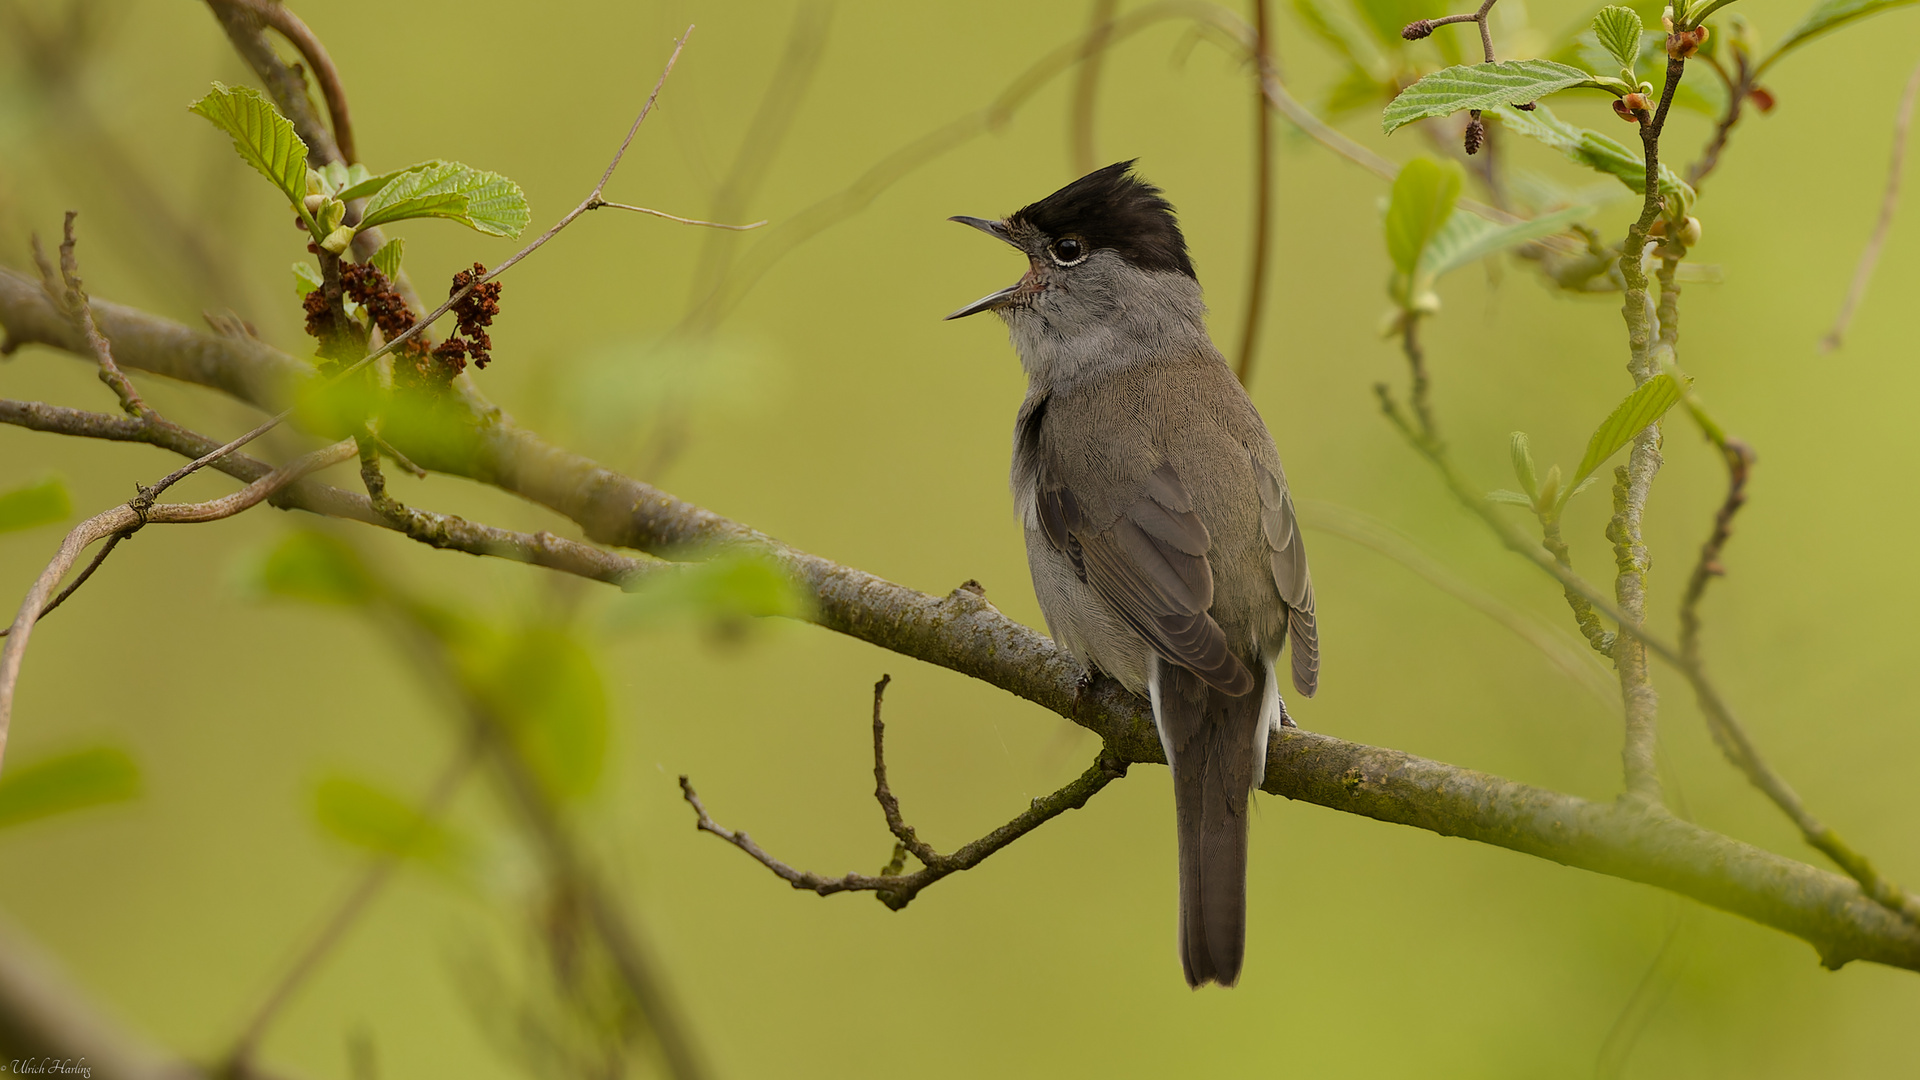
{"x": 1149, "y": 564}
{"x": 1282, "y": 529}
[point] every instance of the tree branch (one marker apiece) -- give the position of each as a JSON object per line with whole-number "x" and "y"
{"x": 892, "y": 887}
{"x": 965, "y": 633}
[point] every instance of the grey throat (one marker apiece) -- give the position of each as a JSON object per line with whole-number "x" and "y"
{"x": 1163, "y": 543}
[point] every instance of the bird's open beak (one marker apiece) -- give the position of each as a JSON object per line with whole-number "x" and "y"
{"x": 997, "y": 229}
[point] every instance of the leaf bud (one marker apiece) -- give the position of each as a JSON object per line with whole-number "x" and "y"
{"x": 314, "y": 202}
{"x": 338, "y": 239}
{"x": 331, "y": 214}
{"x": 1690, "y": 232}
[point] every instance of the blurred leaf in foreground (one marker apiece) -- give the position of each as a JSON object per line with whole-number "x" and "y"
{"x": 92, "y": 777}
{"x": 43, "y": 503}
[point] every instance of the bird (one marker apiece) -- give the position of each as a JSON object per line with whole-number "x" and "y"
{"x": 1161, "y": 535}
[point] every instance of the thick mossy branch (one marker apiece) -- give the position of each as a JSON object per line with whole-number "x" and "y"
{"x": 965, "y": 633}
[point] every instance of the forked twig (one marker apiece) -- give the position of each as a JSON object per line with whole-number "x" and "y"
{"x": 131, "y": 515}
{"x": 891, "y": 887}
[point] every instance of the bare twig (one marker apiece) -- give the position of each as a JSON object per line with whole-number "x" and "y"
{"x": 891, "y": 887}
{"x": 1262, "y": 193}
{"x": 239, "y": 1060}
{"x": 435, "y": 530}
{"x": 1870, "y": 255}
{"x": 1093, "y": 51}
{"x": 70, "y": 296}
{"x": 125, "y": 518}
{"x": 99, "y": 557}
{"x": 598, "y": 203}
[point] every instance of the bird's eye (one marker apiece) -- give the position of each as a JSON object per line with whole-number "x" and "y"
{"x": 1068, "y": 251}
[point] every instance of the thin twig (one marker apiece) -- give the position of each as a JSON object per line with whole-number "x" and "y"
{"x": 1870, "y": 255}
{"x": 598, "y": 203}
{"x": 1093, "y": 52}
{"x": 891, "y": 887}
{"x": 352, "y": 905}
{"x": 131, "y": 515}
{"x": 445, "y": 531}
{"x": 282, "y": 19}
{"x": 458, "y": 295}
{"x": 99, "y": 557}
{"x": 70, "y": 296}
{"x": 1262, "y": 193}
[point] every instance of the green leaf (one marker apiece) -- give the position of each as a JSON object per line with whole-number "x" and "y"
{"x": 91, "y": 777}
{"x": 315, "y": 567}
{"x": 1333, "y": 28}
{"x": 725, "y": 590}
{"x": 261, "y": 136}
{"x": 1618, "y": 30}
{"x": 1423, "y": 198}
{"x": 373, "y": 819}
{"x": 1466, "y": 239}
{"x": 479, "y": 200}
{"x": 364, "y": 184}
{"x": 36, "y": 504}
{"x": 1596, "y": 151}
{"x": 1483, "y": 86}
{"x": 1646, "y": 405}
{"x": 387, "y": 259}
{"x": 306, "y": 278}
{"x": 1825, "y": 16}
{"x": 1511, "y": 498}
{"x": 545, "y": 687}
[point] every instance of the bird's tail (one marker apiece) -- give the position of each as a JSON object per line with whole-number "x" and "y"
{"x": 1209, "y": 737}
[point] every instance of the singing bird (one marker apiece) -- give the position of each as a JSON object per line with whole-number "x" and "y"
{"x": 1163, "y": 543}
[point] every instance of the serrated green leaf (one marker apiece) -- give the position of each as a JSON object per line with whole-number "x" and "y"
{"x": 1646, "y": 405}
{"x": 1825, "y": 16}
{"x": 42, "y": 503}
{"x": 479, "y": 200}
{"x": 1618, "y": 30}
{"x": 1482, "y": 86}
{"x": 261, "y": 136}
{"x": 365, "y": 184}
{"x": 373, "y": 819}
{"x": 306, "y": 278}
{"x": 543, "y": 684}
{"x": 387, "y": 259}
{"x": 1467, "y": 239}
{"x": 313, "y": 566}
{"x": 73, "y": 781}
{"x": 1423, "y": 198}
{"x": 1595, "y": 151}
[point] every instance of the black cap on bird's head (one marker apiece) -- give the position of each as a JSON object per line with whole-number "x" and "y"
{"x": 1112, "y": 208}
{"x": 1109, "y": 209}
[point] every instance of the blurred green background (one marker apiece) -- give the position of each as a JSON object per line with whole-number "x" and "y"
{"x": 833, "y": 409}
